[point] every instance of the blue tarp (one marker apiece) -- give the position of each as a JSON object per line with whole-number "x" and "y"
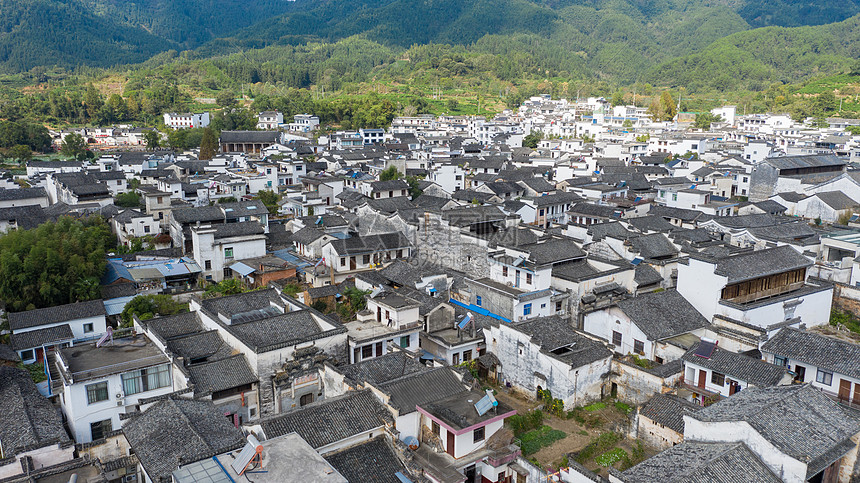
{"x": 479, "y": 310}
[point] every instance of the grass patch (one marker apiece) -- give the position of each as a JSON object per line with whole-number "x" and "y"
{"x": 595, "y": 406}
{"x": 611, "y": 457}
{"x": 845, "y": 319}
{"x": 624, "y": 408}
{"x": 36, "y": 371}
{"x": 583, "y": 432}
{"x": 532, "y": 441}
{"x": 598, "y": 445}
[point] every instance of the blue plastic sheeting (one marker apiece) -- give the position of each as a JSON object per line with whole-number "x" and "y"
{"x": 244, "y": 270}
{"x": 479, "y": 310}
{"x": 115, "y": 306}
{"x": 287, "y": 256}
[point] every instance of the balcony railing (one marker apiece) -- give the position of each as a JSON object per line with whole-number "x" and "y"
{"x": 763, "y": 294}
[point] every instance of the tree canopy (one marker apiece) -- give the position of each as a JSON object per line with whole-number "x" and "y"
{"x": 148, "y": 306}
{"x": 56, "y": 263}
{"x": 389, "y": 173}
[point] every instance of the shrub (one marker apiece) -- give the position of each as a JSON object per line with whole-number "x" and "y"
{"x": 522, "y": 423}
{"x": 36, "y": 371}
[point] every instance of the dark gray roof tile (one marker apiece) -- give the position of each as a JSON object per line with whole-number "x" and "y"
{"x": 662, "y": 314}
{"x": 59, "y": 313}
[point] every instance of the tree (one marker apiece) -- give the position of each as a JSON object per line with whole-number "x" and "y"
{"x": 148, "y": 306}
{"x": 618, "y": 98}
{"x": 127, "y": 200}
{"x": 270, "y": 199}
{"x": 389, "y": 173}
{"x": 230, "y": 286}
{"x": 20, "y": 153}
{"x": 153, "y": 139}
{"x": 668, "y": 105}
{"x": 452, "y": 104}
{"x": 532, "y": 139}
{"x": 208, "y": 144}
{"x": 705, "y": 119}
{"x": 74, "y": 146}
{"x": 56, "y": 263}
{"x": 225, "y": 98}
{"x": 414, "y": 187}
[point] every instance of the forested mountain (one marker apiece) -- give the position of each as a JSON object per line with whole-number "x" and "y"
{"x": 707, "y": 44}
{"x": 104, "y": 33}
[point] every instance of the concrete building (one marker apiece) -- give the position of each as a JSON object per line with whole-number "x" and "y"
{"x": 547, "y": 354}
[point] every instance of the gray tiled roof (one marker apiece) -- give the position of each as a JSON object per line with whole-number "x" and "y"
{"x": 646, "y": 275}
{"x": 28, "y": 420}
{"x": 247, "y": 228}
{"x": 174, "y": 325}
{"x": 552, "y": 251}
{"x": 836, "y": 200}
{"x": 828, "y": 353}
{"x": 195, "y": 345}
{"x": 552, "y": 333}
{"x": 307, "y": 235}
{"x": 175, "y": 432}
{"x": 220, "y": 375}
{"x": 36, "y": 338}
{"x": 52, "y": 315}
{"x": 655, "y": 245}
{"x": 281, "y": 330}
{"x": 781, "y": 413}
{"x": 408, "y": 391}
{"x": 662, "y": 314}
{"x": 231, "y": 305}
{"x": 250, "y": 137}
{"x": 370, "y": 243}
{"x": 330, "y": 420}
{"x": 761, "y": 263}
{"x": 804, "y": 161}
{"x": 668, "y": 410}
{"x": 371, "y": 461}
{"x": 695, "y": 462}
{"x": 201, "y": 214}
{"x": 738, "y": 366}
{"x": 383, "y": 369}
{"x": 8, "y": 354}
{"x": 22, "y": 194}
{"x": 390, "y": 185}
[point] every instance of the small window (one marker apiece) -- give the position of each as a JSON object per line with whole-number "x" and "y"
{"x": 718, "y": 379}
{"x": 824, "y": 377}
{"x": 639, "y": 347}
{"x": 527, "y": 309}
{"x": 558, "y": 306}
{"x": 616, "y": 338}
{"x": 528, "y": 278}
{"x": 365, "y": 259}
{"x": 228, "y": 252}
{"x": 504, "y": 271}
{"x": 367, "y": 352}
{"x": 207, "y": 264}
{"x": 146, "y": 228}
{"x": 342, "y": 261}
{"x": 97, "y": 392}
{"x": 28, "y": 355}
{"x": 456, "y": 358}
{"x": 780, "y": 361}
{"x": 434, "y": 426}
{"x": 88, "y": 328}
{"x": 99, "y": 429}
{"x": 478, "y": 434}
{"x": 404, "y": 341}
{"x": 478, "y": 300}
{"x": 467, "y": 355}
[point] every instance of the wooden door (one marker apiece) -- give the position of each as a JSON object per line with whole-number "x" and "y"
{"x": 844, "y": 390}
{"x": 702, "y": 375}
{"x": 856, "y": 393}
{"x": 450, "y": 447}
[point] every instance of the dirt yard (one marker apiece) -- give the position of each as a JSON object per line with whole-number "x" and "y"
{"x": 579, "y": 435}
